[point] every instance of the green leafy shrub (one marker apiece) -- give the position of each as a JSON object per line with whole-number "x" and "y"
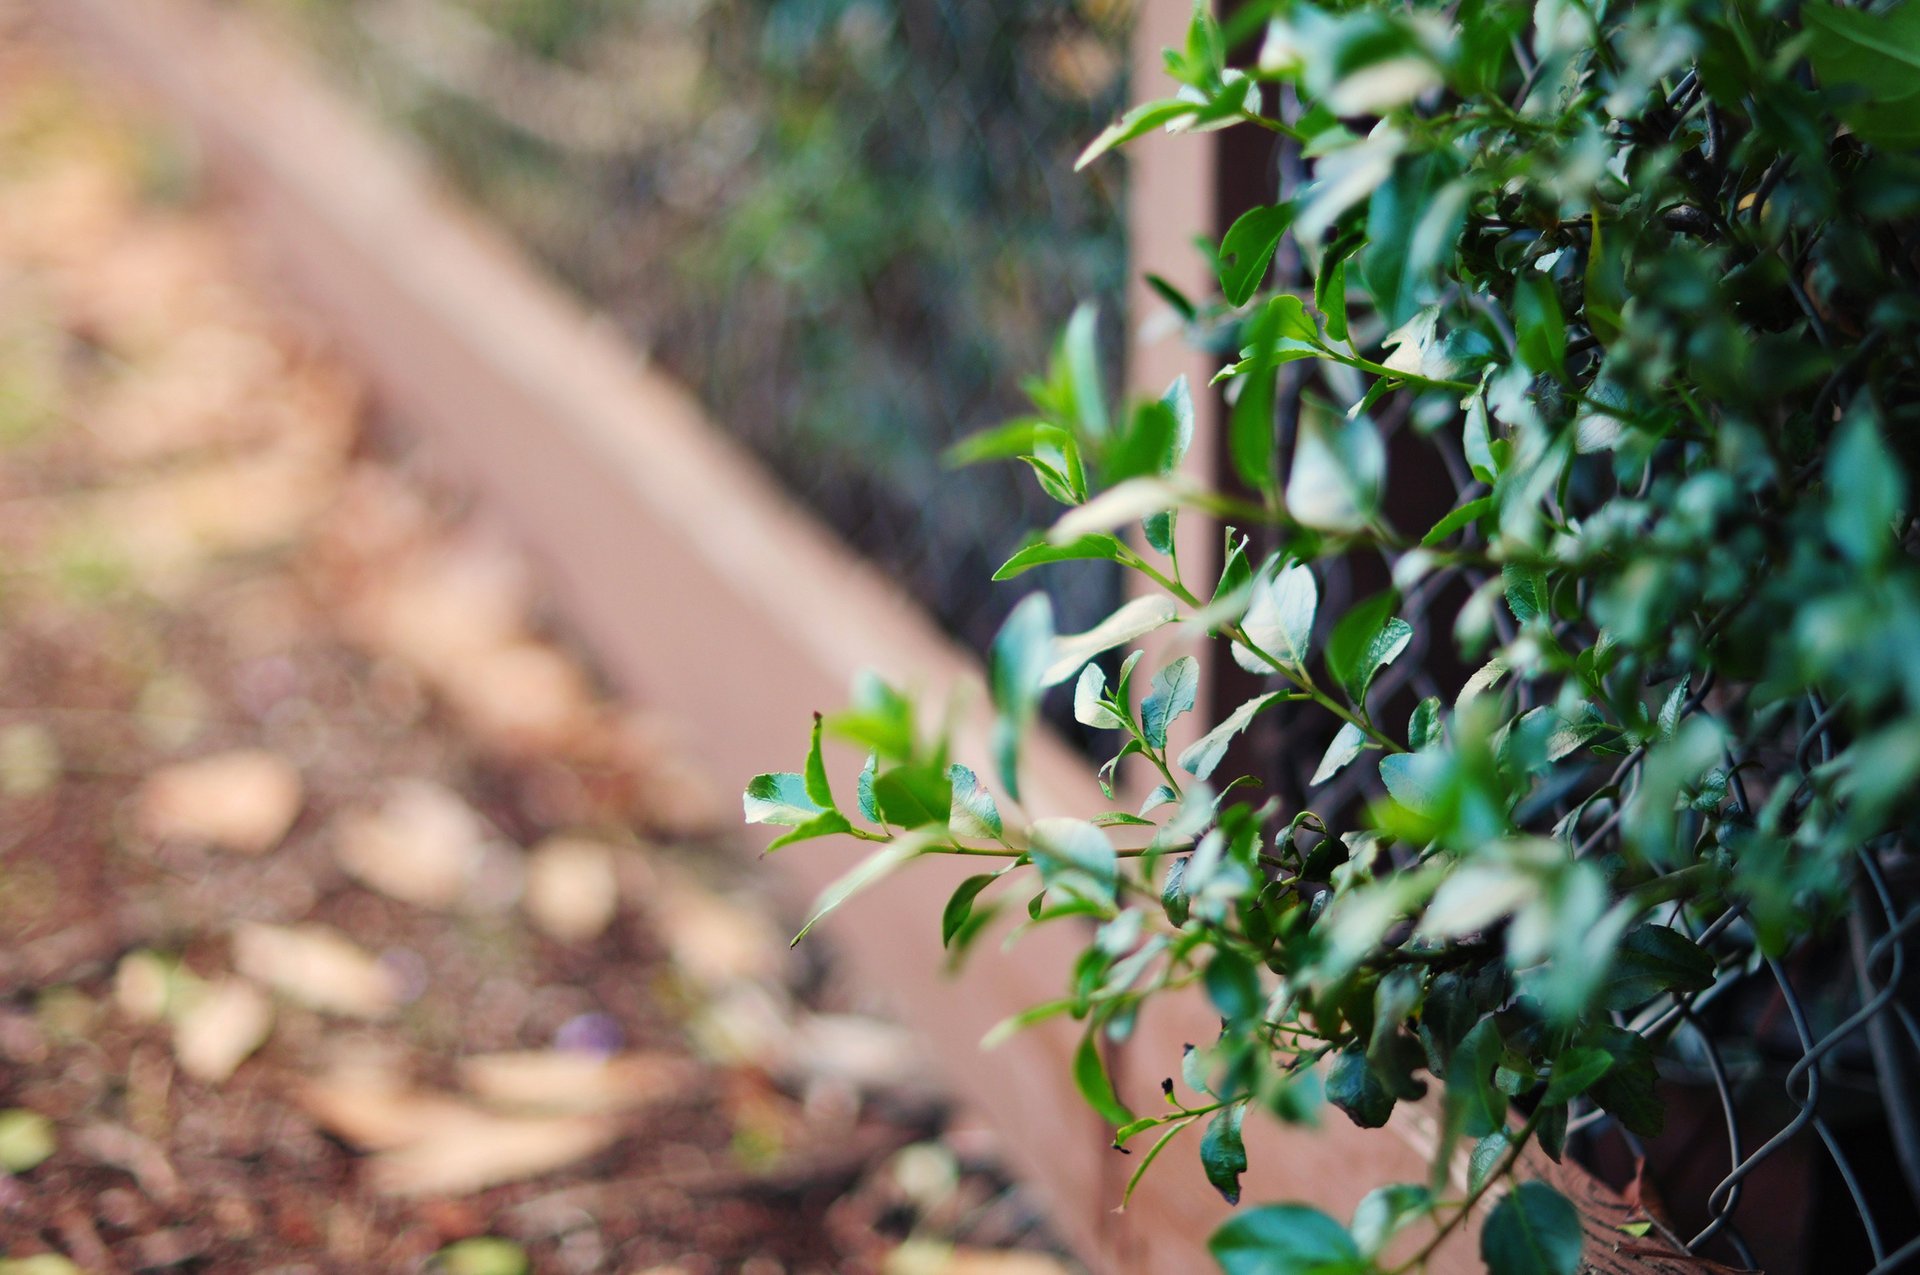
{"x": 1645, "y": 276}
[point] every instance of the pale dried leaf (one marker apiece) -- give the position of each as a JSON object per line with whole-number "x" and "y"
{"x": 571, "y": 891}
{"x": 423, "y": 846}
{"x": 243, "y": 801}
{"x": 576, "y": 1081}
{"x": 475, "y": 1150}
{"x": 375, "y": 1110}
{"x": 219, "y": 1028}
{"x": 317, "y": 966}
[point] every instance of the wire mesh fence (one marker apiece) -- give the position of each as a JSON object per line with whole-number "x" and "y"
{"x": 1792, "y": 1084}
{"x": 851, "y": 226}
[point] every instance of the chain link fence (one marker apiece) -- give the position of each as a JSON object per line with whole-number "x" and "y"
{"x": 1792, "y": 1084}
{"x": 851, "y": 225}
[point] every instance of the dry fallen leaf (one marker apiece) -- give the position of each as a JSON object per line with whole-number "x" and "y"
{"x": 922, "y": 1257}
{"x": 220, "y": 1027}
{"x": 523, "y": 696}
{"x": 575, "y": 1081}
{"x": 473, "y": 1150}
{"x": 375, "y": 1110}
{"x": 571, "y": 891}
{"x": 243, "y": 801}
{"x": 317, "y": 966}
{"x": 423, "y": 846}
{"x": 712, "y": 940}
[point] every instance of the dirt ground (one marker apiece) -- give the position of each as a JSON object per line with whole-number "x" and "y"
{"x": 345, "y": 925}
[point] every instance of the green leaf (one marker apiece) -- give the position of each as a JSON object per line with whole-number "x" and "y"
{"x": 1201, "y": 757}
{"x": 1339, "y": 465}
{"x": 1526, "y": 589}
{"x": 972, "y": 812}
{"x": 1080, "y": 346}
{"x": 863, "y": 789}
{"x": 959, "y": 909}
{"x": 26, "y": 1139}
{"x": 1415, "y": 780}
{"x": 914, "y": 796}
{"x": 1090, "y": 1077}
{"x": 1575, "y": 1071}
{"x": 1069, "y": 653}
{"x": 1629, "y": 1090}
{"x": 1248, "y": 247}
{"x": 1088, "y": 691}
{"x": 1092, "y": 546}
{"x": 1367, "y": 638}
{"x": 1075, "y": 858}
{"x": 1865, "y": 486}
{"x": 1874, "y": 59}
{"x": 1150, "y": 446}
{"x": 1384, "y": 1211}
{"x": 1425, "y": 726}
{"x": 1533, "y": 1231}
{"x": 1016, "y": 663}
{"x": 1146, "y": 1161}
{"x": 1474, "y": 1105}
{"x": 1472, "y": 511}
{"x": 1413, "y": 227}
{"x": 1330, "y": 285}
{"x": 1141, "y": 119}
{"x": 1285, "y": 1239}
{"x": 1173, "y": 692}
{"x": 828, "y": 823}
{"x": 1539, "y": 326}
{"x": 779, "y": 798}
{"x": 1345, "y": 746}
{"x": 1159, "y": 531}
{"x": 1352, "y": 1087}
{"x": 1279, "y": 619}
{"x": 875, "y": 867}
{"x": 1222, "y": 1154}
{"x": 1653, "y": 959}
{"x": 818, "y": 790}
{"x": 1233, "y": 985}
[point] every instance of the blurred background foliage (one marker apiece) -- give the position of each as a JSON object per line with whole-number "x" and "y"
{"x": 851, "y": 225}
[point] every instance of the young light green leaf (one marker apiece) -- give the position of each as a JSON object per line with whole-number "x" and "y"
{"x": 1203, "y": 755}
{"x": 1279, "y": 619}
{"x": 1248, "y": 247}
{"x": 1384, "y": 1211}
{"x": 1141, "y": 119}
{"x": 1087, "y": 693}
{"x": 1173, "y": 692}
{"x": 863, "y": 789}
{"x": 1346, "y": 745}
{"x": 818, "y": 790}
{"x": 1367, "y": 638}
{"x": 1117, "y": 506}
{"x": 1090, "y": 1077}
{"x": 873, "y": 868}
{"x": 973, "y": 813}
{"x": 959, "y": 909}
{"x": 1075, "y": 858}
{"x": 1339, "y": 464}
{"x": 1069, "y": 654}
{"x": 1080, "y": 347}
{"x": 828, "y": 823}
{"x": 1016, "y": 668}
{"x": 779, "y": 798}
{"x": 1094, "y": 546}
